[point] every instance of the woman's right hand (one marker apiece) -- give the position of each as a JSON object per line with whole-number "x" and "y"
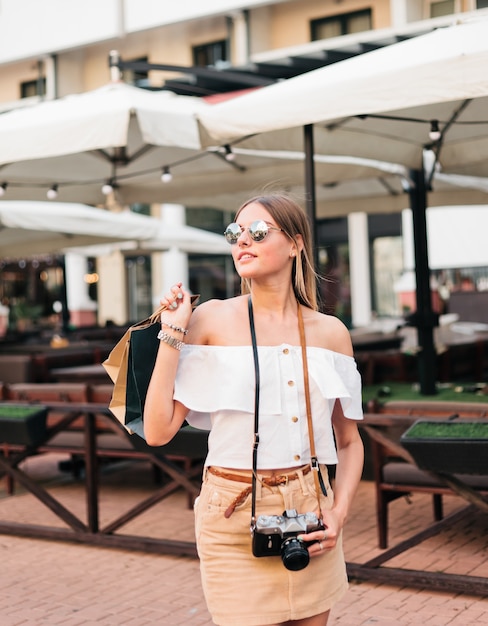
{"x": 178, "y": 306}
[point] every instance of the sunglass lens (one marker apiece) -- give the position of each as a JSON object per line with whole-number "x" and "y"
{"x": 258, "y": 230}
{"x": 232, "y": 232}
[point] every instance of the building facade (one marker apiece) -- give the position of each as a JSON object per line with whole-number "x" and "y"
{"x": 50, "y": 49}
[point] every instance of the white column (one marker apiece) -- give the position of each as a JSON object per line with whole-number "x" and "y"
{"x": 404, "y": 11}
{"x": 174, "y": 262}
{"x": 240, "y": 38}
{"x": 407, "y": 240}
{"x": 112, "y": 289}
{"x": 359, "y": 269}
{"x": 81, "y": 307}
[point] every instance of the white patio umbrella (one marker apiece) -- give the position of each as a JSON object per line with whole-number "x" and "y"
{"x": 34, "y": 228}
{"x": 128, "y": 135}
{"x": 427, "y": 93}
{"x": 439, "y": 76}
{"x": 81, "y": 142}
{"x": 377, "y": 106}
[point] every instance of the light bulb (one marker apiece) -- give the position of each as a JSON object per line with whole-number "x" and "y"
{"x": 52, "y": 193}
{"x": 434, "y": 133}
{"x": 229, "y": 155}
{"x": 107, "y": 189}
{"x": 166, "y": 176}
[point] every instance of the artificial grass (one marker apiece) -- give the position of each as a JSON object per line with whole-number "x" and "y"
{"x": 448, "y": 430}
{"x": 446, "y": 392}
{"x": 16, "y": 412}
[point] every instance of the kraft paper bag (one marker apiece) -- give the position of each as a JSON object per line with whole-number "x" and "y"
{"x": 130, "y": 365}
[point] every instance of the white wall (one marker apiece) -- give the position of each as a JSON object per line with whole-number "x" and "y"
{"x": 32, "y": 28}
{"x": 144, "y": 14}
{"x": 456, "y": 237}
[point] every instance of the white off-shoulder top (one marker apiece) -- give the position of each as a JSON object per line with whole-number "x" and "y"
{"x": 216, "y": 384}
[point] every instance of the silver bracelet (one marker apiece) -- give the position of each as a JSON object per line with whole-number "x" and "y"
{"x": 170, "y": 340}
{"x": 178, "y": 329}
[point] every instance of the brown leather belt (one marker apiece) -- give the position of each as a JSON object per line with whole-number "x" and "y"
{"x": 270, "y": 481}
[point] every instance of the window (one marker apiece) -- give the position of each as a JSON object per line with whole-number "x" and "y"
{"x": 339, "y": 25}
{"x": 387, "y": 268}
{"x": 31, "y": 88}
{"x": 446, "y": 7}
{"x": 138, "y": 274}
{"x": 142, "y": 209}
{"x": 211, "y": 54}
{"x": 212, "y": 276}
{"x": 335, "y": 288}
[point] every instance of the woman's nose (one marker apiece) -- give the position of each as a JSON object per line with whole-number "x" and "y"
{"x": 243, "y": 237}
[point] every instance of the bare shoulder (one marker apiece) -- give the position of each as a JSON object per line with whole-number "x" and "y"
{"x": 329, "y": 332}
{"x": 216, "y": 322}
{"x": 210, "y": 308}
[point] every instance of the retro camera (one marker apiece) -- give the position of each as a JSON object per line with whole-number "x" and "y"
{"x": 277, "y": 535}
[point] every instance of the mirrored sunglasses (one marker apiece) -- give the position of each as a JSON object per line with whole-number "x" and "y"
{"x": 257, "y": 231}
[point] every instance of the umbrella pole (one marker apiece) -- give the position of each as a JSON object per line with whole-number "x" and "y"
{"x": 65, "y": 315}
{"x": 310, "y": 196}
{"x": 424, "y": 318}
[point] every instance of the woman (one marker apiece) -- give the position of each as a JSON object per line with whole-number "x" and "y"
{"x": 205, "y": 368}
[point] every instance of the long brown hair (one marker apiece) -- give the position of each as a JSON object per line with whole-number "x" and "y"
{"x": 291, "y": 218}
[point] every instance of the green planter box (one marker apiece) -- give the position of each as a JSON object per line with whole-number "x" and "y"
{"x": 23, "y": 424}
{"x": 453, "y": 447}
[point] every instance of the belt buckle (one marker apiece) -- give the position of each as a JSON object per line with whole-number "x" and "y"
{"x": 283, "y": 479}
{"x": 278, "y": 479}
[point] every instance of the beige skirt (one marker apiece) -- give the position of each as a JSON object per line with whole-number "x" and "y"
{"x": 243, "y": 590}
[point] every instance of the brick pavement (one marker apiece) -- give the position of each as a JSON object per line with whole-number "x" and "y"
{"x": 50, "y": 583}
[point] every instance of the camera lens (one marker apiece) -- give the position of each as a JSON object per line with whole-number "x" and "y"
{"x": 294, "y": 554}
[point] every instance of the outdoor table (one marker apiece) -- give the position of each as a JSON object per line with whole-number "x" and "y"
{"x": 92, "y": 374}
{"x": 376, "y": 341}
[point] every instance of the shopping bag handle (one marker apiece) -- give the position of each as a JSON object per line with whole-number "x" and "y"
{"x": 156, "y": 316}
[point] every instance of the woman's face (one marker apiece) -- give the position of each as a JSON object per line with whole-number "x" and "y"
{"x": 259, "y": 259}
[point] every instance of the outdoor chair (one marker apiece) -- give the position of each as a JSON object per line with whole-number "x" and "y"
{"x": 396, "y": 475}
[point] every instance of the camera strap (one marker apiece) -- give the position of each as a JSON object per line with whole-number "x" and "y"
{"x": 318, "y": 479}
{"x": 256, "y": 414}
{"x": 317, "y": 474}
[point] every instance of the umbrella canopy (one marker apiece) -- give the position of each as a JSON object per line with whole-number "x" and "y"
{"x": 81, "y": 142}
{"x": 378, "y": 105}
{"x": 427, "y": 95}
{"x": 29, "y": 228}
{"x": 127, "y": 135}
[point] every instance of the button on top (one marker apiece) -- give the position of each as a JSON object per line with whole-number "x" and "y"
{"x": 285, "y": 351}
{"x": 297, "y": 457}
{"x": 294, "y": 419}
{"x": 291, "y": 383}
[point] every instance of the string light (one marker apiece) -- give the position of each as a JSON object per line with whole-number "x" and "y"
{"x": 107, "y": 188}
{"x": 166, "y": 176}
{"x": 434, "y": 133}
{"x": 112, "y": 184}
{"x": 229, "y": 155}
{"x": 52, "y": 193}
